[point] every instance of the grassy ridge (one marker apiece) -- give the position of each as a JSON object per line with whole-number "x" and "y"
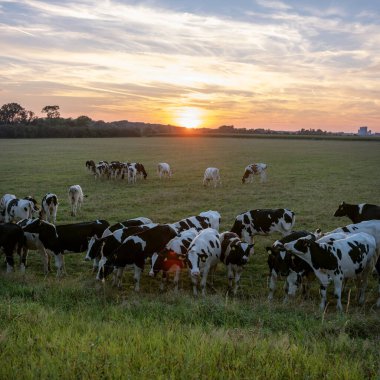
{"x": 75, "y": 327}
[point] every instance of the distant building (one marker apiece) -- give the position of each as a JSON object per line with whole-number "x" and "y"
{"x": 363, "y": 131}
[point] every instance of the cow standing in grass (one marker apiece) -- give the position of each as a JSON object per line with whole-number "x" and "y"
{"x": 212, "y": 175}
{"x": 350, "y": 257}
{"x": 358, "y": 213}
{"x": 75, "y": 198}
{"x": 49, "y": 207}
{"x": 251, "y": 170}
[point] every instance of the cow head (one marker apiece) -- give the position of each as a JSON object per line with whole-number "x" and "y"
{"x": 343, "y": 209}
{"x": 279, "y": 259}
{"x": 239, "y": 253}
{"x": 95, "y": 247}
{"x": 300, "y": 247}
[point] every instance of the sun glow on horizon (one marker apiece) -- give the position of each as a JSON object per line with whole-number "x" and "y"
{"x": 188, "y": 117}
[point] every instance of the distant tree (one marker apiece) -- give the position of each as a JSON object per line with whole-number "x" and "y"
{"x": 13, "y": 113}
{"x": 226, "y": 129}
{"x": 83, "y": 121}
{"x": 51, "y": 112}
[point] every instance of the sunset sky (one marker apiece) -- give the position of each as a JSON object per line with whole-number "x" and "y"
{"x": 282, "y": 65}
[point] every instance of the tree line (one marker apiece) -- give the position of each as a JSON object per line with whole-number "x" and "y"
{"x": 17, "y": 122}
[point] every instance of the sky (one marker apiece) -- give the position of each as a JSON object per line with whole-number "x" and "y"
{"x": 282, "y": 65}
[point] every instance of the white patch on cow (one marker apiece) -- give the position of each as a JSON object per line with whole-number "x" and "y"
{"x": 361, "y": 205}
{"x": 137, "y": 240}
{"x": 282, "y": 254}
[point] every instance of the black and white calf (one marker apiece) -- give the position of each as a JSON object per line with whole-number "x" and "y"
{"x": 284, "y": 264}
{"x": 358, "y": 213}
{"x": 234, "y": 254}
{"x": 263, "y": 222}
{"x": 350, "y": 257}
{"x": 171, "y": 258}
{"x": 40, "y": 236}
{"x": 49, "y": 207}
{"x": 18, "y": 209}
{"x": 11, "y": 240}
{"x": 134, "y": 250}
{"x": 75, "y": 198}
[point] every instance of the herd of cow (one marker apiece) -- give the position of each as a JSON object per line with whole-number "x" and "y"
{"x": 196, "y": 244}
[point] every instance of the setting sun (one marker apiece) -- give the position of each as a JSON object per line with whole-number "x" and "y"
{"x": 188, "y": 117}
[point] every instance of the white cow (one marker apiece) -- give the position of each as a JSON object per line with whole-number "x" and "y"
{"x": 211, "y": 175}
{"x": 75, "y": 198}
{"x": 18, "y": 209}
{"x": 163, "y": 170}
{"x": 255, "y": 169}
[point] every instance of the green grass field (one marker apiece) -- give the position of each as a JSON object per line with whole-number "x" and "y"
{"x": 75, "y": 327}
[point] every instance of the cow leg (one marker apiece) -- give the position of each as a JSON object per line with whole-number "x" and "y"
{"x": 238, "y": 273}
{"x": 23, "y": 256}
{"x": 10, "y": 262}
{"x": 230, "y": 274}
{"x": 60, "y": 264}
{"x": 204, "y": 279}
{"x": 119, "y": 276}
{"x": 292, "y": 281}
{"x": 137, "y": 277}
{"x": 176, "y": 278}
{"x": 338, "y": 292}
{"x": 272, "y": 284}
{"x": 45, "y": 259}
{"x": 194, "y": 280}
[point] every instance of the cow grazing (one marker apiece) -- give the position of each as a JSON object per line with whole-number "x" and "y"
{"x": 132, "y": 174}
{"x": 213, "y": 218}
{"x": 371, "y": 227}
{"x": 211, "y": 175}
{"x": 234, "y": 254}
{"x": 203, "y": 255}
{"x": 18, "y": 209}
{"x": 90, "y": 165}
{"x": 163, "y": 170}
{"x": 263, "y": 222}
{"x": 39, "y": 236}
{"x": 284, "y": 264}
{"x": 49, "y": 207}
{"x": 171, "y": 258}
{"x": 258, "y": 169}
{"x": 3, "y": 205}
{"x": 134, "y": 250}
{"x": 11, "y": 240}
{"x": 75, "y": 198}
{"x": 75, "y": 237}
{"x": 350, "y": 257}
{"x": 358, "y": 213}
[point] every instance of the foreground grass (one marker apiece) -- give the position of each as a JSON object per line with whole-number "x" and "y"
{"x": 76, "y": 328}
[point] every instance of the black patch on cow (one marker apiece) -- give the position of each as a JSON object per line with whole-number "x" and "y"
{"x": 357, "y": 252}
{"x": 212, "y": 244}
{"x": 322, "y": 258}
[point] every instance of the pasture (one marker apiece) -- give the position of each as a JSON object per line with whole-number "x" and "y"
{"x": 75, "y": 327}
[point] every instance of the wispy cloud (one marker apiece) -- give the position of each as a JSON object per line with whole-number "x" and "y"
{"x": 123, "y": 61}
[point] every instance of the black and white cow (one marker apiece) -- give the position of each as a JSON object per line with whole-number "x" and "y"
{"x": 263, "y": 222}
{"x": 49, "y": 207}
{"x": 134, "y": 250}
{"x": 234, "y": 254}
{"x": 75, "y": 237}
{"x": 203, "y": 256}
{"x": 18, "y": 209}
{"x": 171, "y": 258}
{"x": 40, "y": 236}
{"x": 283, "y": 264}
{"x": 197, "y": 222}
{"x": 126, "y": 223}
{"x": 371, "y": 227}
{"x": 350, "y": 257}
{"x": 11, "y": 240}
{"x": 358, "y": 213}
{"x": 108, "y": 243}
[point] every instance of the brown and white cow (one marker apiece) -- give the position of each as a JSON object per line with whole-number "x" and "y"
{"x": 258, "y": 169}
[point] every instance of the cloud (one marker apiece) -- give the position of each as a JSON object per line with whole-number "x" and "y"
{"x": 139, "y": 58}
